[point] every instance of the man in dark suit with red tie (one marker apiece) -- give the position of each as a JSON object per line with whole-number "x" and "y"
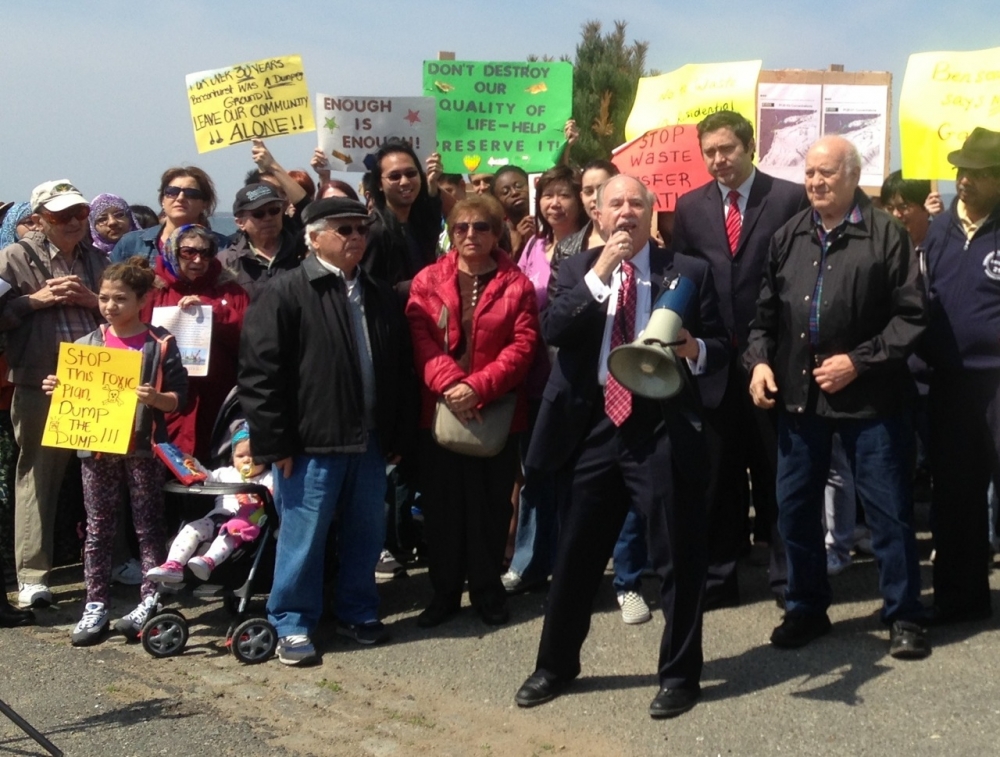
{"x": 729, "y": 223}
{"x": 620, "y": 451}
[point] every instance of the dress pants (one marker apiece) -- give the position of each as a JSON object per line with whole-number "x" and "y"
{"x": 740, "y": 436}
{"x": 661, "y": 479}
{"x": 964, "y": 454}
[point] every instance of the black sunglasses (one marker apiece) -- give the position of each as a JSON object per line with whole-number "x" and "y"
{"x": 191, "y": 193}
{"x": 346, "y": 229}
{"x": 462, "y": 227}
{"x": 396, "y": 176}
{"x": 271, "y": 211}
{"x": 190, "y": 253}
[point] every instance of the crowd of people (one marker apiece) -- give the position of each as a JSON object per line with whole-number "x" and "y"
{"x": 434, "y": 352}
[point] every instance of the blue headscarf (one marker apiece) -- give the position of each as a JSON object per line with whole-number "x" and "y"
{"x": 8, "y": 229}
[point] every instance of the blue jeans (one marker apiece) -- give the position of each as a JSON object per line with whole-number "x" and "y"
{"x": 878, "y": 452}
{"x": 537, "y": 527}
{"x": 629, "y": 557}
{"x": 353, "y": 487}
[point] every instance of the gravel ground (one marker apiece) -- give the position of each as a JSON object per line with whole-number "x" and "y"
{"x": 449, "y": 691}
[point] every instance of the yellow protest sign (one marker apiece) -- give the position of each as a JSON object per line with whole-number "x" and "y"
{"x": 945, "y": 96}
{"x": 93, "y": 407}
{"x": 690, "y": 93}
{"x": 265, "y": 98}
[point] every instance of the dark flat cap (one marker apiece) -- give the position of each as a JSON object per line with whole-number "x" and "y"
{"x": 333, "y": 207}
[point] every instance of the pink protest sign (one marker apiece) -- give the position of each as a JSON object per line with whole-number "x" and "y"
{"x": 667, "y": 160}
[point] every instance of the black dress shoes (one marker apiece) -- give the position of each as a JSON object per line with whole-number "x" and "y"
{"x": 539, "y": 689}
{"x": 799, "y": 628}
{"x": 13, "y": 617}
{"x": 669, "y": 703}
{"x": 908, "y": 641}
{"x": 494, "y": 614}
{"x": 437, "y": 612}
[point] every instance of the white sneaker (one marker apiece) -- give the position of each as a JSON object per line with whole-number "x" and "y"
{"x": 132, "y": 623}
{"x": 296, "y": 650}
{"x": 34, "y": 595}
{"x": 634, "y": 607}
{"x": 92, "y": 626}
{"x": 128, "y": 573}
{"x": 836, "y": 564}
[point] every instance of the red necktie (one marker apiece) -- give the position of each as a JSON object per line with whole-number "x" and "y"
{"x": 618, "y": 399}
{"x": 733, "y": 221}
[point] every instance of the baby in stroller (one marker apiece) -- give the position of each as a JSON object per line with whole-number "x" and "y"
{"x": 232, "y": 522}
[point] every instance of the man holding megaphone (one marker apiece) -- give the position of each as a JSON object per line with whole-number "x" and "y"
{"x": 615, "y": 450}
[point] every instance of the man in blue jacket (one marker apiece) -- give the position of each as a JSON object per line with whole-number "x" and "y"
{"x": 962, "y": 345}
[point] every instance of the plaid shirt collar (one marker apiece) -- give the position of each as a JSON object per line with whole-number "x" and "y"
{"x": 827, "y": 238}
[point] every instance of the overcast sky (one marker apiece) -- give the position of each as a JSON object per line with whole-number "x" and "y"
{"x": 94, "y": 91}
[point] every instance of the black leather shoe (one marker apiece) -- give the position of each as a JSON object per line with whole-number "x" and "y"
{"x": 946, "y": 616}
{"x": 494, "y": 615}
{"x": 669, "y": 703}
{"x": 908, "y": 641}
{"x": 13, "y": 617}
{"x": 539, "y": 689}
{"x": 799, "y": 628}
{"x": 436, "y": 614}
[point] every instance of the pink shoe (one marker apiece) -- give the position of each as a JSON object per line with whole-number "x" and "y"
{"x": 171, "y": 572}
{"x": 202, "y": 567}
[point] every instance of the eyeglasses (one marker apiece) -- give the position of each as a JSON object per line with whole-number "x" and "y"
{"x": 74, "y": 213}
{"x": 462, "y": 228}
{"x": 394, "y": 177}
{"x": 517, "y": 186}
{"x": 191, "y": 193}
{"x": 112, "y": 215}
{"x": 190, "y": 253}
{"x": 345, "y": 230}
{"x": 272, "y": 211}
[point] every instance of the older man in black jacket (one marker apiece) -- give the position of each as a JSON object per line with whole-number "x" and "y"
{"x": 840, "y": 307}
{"x": 325, "y": 374}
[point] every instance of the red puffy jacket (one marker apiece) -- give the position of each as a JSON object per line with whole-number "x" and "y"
{"x": 505, "y": 334}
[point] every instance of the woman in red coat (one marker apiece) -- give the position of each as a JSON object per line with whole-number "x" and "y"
{"x": 189, "y": 275}
{"x": 474, "y": 321}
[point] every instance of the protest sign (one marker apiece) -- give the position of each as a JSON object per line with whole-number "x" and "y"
{"x": 690, "y": 93}
{"x": 945, "y": 96}
{"x": 352, "y": 128}
{"x": 494, "y": 114}
{"x": 257, "y": 100}
{"x": 667, "y": 160}
{"x": 93, "y": 407}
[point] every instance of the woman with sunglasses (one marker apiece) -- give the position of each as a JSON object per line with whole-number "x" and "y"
{"x": 187, "y": 196}
{"x": 474, "y": 322}
{"x": 188, "y": 275}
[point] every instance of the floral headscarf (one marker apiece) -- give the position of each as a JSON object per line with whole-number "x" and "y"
{"x": 173, "y": 242}
{"x": 8, "y": 229}
{"x": 101, "y": 204}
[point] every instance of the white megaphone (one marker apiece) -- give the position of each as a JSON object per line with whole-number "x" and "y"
{"x": 648, "y": 366}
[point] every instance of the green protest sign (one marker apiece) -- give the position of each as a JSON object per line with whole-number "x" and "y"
{"x": 493, "y": 114}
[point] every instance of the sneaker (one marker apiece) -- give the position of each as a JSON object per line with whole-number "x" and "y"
{"x": 388, "y": 566}
{"x": 634, "y": 607}
{"x": 511, "y": 581}
{"x": 128, "y": 573}
{"x": 132, "y": 623}
{"x": 368, "y": 633}
{"x": 171, "y": 572}
{"x": 201, "y": 566}
{"x": 92, "y": 626}
{"x": 296, "y": 650}
{"x": 34, "y": 596}
{"x": 837, "y": 564}
{"x": 798, "y": 628}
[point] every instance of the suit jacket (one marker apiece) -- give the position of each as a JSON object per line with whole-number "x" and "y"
{"x": 700, "y": 231}
{"x": 574, "y": 323}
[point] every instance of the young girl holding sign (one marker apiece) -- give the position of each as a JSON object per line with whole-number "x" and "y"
{"x": 163, "y": 386}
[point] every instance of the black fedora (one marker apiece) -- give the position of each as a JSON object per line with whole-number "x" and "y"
{"x": 981, "y": 150}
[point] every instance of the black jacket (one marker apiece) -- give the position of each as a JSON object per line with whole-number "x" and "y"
{"x": 252, "y": 273}
{"x": 391, "y": 256}
{"x": 873, "y": 309}
{"x": 300, "y": 377}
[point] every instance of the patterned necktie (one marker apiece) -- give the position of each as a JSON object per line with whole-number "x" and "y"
{"x": 618, "y": 399}
{"x": 733, "y": 221}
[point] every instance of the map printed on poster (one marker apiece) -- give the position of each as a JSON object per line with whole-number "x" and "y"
{"x": 789, "y": 119}
{"x": 945, "y": 96}
{"x": 491, "y": 114}
{"x": 256, "y": 100}
{"x": 690, "y": 93}
{"x": 857, "y": 112}
{"x": 93, "y": 406}
{"x": 667, "y": 160}
{"x": 352, "y": 127}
